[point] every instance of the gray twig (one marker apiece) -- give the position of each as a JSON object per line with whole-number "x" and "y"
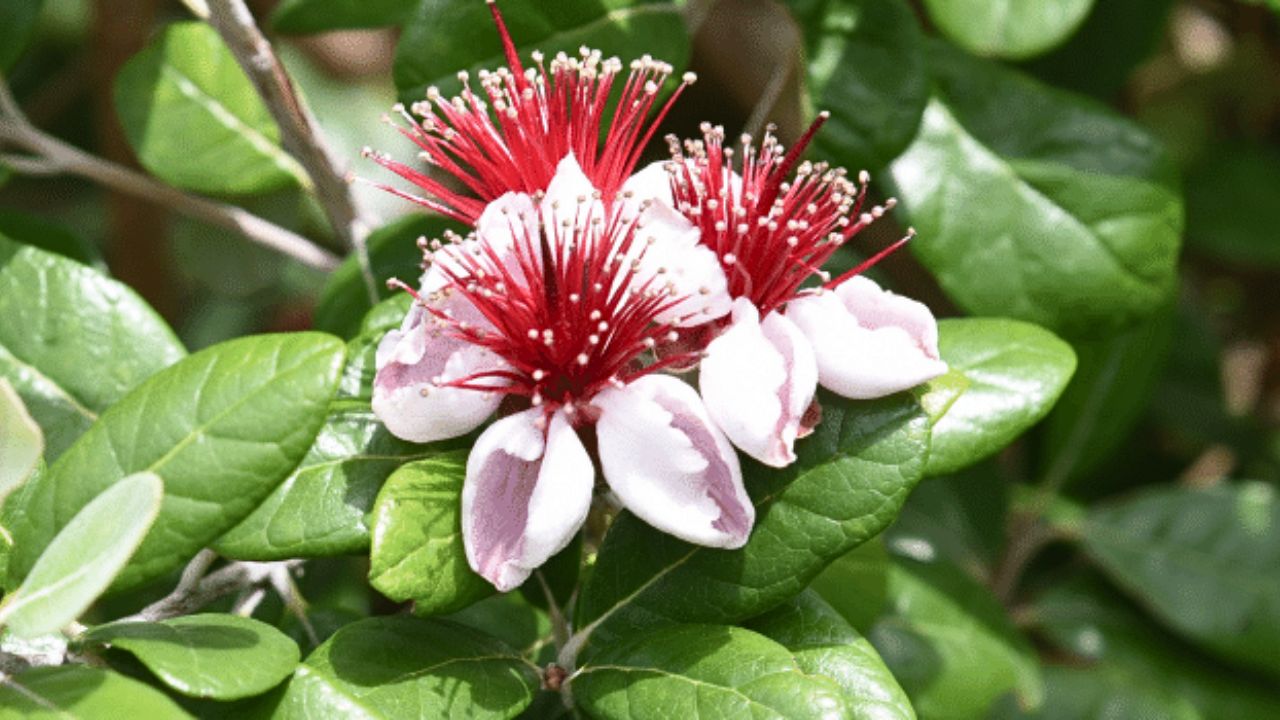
{"x": 196, "y": 589}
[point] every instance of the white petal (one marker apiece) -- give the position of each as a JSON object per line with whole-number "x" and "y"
{"x": 667, "y": 462}
{"x": 671, "y": 258}
{"x": 419, "y": 357}
{"x": 652, "y": 184}
{"x": 526, "y": 494}
{"x": 868, "y": 342}
{"x": 570, "y": 197}
{"x": 758, "y": 379}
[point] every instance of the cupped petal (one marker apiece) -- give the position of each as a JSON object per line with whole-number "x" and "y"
{"x": 413, "y": 365}
{"x": 651, "y": 184}
{"x": 527, "y": 491}
{"x": 758, "y": 378}
{"x": 868, "y": 342}
{"x": 667, "y": 462}
{"x": 570, "y": 197}
{"x": 669, "y": 257}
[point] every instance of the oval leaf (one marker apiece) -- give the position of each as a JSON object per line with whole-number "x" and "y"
{"x": 1014, "y": 30}
{"x": 84, "y": 557}
{"x": 1004, "y": 377}
{"x": 703, "y": 671}
{"x": 852, "y": 476}
{"x": 1177, "y": 550}
{"x": 21, "y": 441}
{"x": 73, "y": 341}
{"x": 323, "y": 507}
{"x": 856, "y": 583}
{"x": 194, "y": 119}
{"x": 82, "y": 692}
{"x": 417, "y": 538}
{"x": 224, "y": 657}
{"x": 823, "y": 644}
{"x": 1035, "y": 204}
{"x": 391, "y": 667}
{"x": 223, "y": 428}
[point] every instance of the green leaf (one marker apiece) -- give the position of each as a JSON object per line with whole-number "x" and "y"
{"x": 222, "y": 427}
{"x": 856, "y": 584}
{"x": 323, "y": 507}
{"x": 73, "y": 341}
{"x": 1004, "y": 377}
{"x": 21, "y": 441}
{"x": 313, "y": 16}
{"x": 224, "y": 657}
{"x": 417, "y": 538}
{"x": 82, "y": 693}
{"x": 393, "y": 253}
{"x": 1084, "y": 618}
{"x": 1232, "y": 214}
{"x": 824, "y": 644}
{"x": 513, "y": 620}
{"x": 446, "y": 36}
{"x": 195, "y": 121}
{"x": 1036, "y": 204}
{"x": 850, "y": 480}
{"x": 1014, "y": 30}
{"x": 961, "y": 517}
{"x": 393, "y": 667}
{"x": 17, "y": 22}
{"x": 703, "y": 671}
{"x": 85, "y": 556}
{"x": 1204, "y": 562}
{"x": 1111, "y": 390}
{"x": 1101, "y": 691}
{"x": 37, "y": 232}
{"x": 949, "y": 643}
{"x": 1141, "y": 23}
{"x": 866, "y": 66}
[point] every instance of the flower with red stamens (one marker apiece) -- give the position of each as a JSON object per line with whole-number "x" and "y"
{"x": 772, "y": 230}
{"x": 558, "y": 305}
{"x": 511, "y": 136}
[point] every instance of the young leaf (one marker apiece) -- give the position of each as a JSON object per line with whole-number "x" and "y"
{"x": 442, "y": 38}
{"x": 21, "y": 441}
{"x": 1204, "y": 562}
{"x": 323, "y": 507}
{"x": 73, "y": 341}
{"x": 80, "y": 691}
{"x": 824, "y": 644}
{"x": 84, "y": 557}
{"x": 390, "y": 667}
{"x": 223, "y": 427}
{"x": 1004, "y": 377}
{"x": 417, "y": 538}
{"x": 1074, "y": 206}
{"x": 313, "y": 16}
{"x": 950, "y": 644}
{"x": 194, "y": 119}
{"x": 703, "y": 671}
{"x": 852, "y": 476}
{"x": 1012, "y": 30}
{"x": 214, "y": 655}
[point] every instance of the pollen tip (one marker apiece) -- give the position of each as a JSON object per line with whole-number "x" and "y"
{"x": 824, "y": 114}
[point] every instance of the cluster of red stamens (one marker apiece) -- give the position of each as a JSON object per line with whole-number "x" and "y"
{"x": 532, "y": 119}
{"x": 770, "y": 233}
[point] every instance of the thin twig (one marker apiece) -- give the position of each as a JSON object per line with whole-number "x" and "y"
{"x": 190, "y": 596}
{"x": 50, "y": 155}
{"x": 298, "y": 131}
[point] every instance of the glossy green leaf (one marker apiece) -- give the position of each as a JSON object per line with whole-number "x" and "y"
{"x": 961, "y": 517}
{"x": 1232, "y": 214}
{"x": 393, "y": 253}
{"x": 1036, "y": 204}
{"x": 856, "y": 584}
{"x": 195, "y": 121}
{"x": 950, "y": 644}
{"x": 85, "y": 556}
{"x": 21, "y": 442}
{"x": 212, "y": 655}
{"x": 1084, "y": 618}
{"x": 1004, "y": 377}
{"x": 444, "y": 37}
{"x": 81, "y": 692}
{"x": 395, "y": 667}
{"x": 703, "y": 671}
{"x": 513, "y": 620}
{"x": 417, "y": 549}
{"x": 323, "y": 507}
{"x": 1203, "y": 561}
{"x": 73, "y": 341}
{"x": 1012, "y": 30}
{"x": 824, "y": 644}
{"x": 17, "y": 22}
{"x": 850, "y": 480}
{"x": 865, "y": 65}
{"x": 312, "y": 16}
{"x": 223, "y": 428}
{"x": 1142, "y": 24}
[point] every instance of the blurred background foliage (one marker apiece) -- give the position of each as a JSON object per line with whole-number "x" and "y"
{"x": 1123, "y": 560}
